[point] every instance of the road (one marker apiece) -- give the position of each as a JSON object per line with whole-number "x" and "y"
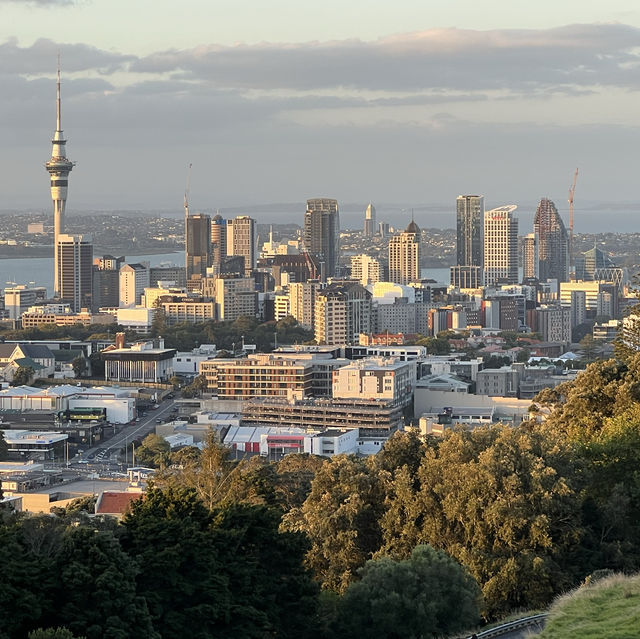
{"x": 120, "y": 440}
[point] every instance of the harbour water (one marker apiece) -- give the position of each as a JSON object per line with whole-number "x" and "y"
{"x": 38, "y": 271}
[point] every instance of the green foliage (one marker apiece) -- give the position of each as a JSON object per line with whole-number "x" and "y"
{"x": 79, "y": 366}
{"x": 496, "y": 500}
{"x": 341, "y": 517}
{"x": 496, "y": 361}
{"x": 196, "y": 387}
{"x": 23, "y": 375}
{"x": 607, "y": 609}
{"x": 435, "y": 345}
{"x": 427, "y": 595}
{"x": 97, "y": 588}
{"x": 3, "y": 448}
{"x": 226, "y": 573}
{"x": 154, "y": 451}
{"x": 605, "y": 389}
{"x": 53, "y": 633}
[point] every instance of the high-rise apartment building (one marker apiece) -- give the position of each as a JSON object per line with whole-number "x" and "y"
{"x": 75, "y": 270}
{"x": 106, "y": 281}
{"x": 530, "y": 256}
{"x": 469, "y": 230}
{"x": 342, "y": 312}
{"x": 501, "y": 246}
{"x": 58, "y": 168}
{"x": 241, "y": 240}
{"x": 553, "y": 242}
{"x": 366, "y": 269}
{"x": 302, "y": 300}
{"x": 197, "y": 245}
{"x": 370, "y": 221}
{"x": 235, "y": 297}
{"x": 404, "y": 255}
{"x": 322, "y": 234}
{"x": 134, "y": 278}
{"x": 218, "y": 241}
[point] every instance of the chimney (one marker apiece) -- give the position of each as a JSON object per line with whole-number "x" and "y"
{"x": 119, "y": 340}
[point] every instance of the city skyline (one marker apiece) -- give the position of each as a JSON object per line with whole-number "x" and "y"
{"x": 240, "y": 98}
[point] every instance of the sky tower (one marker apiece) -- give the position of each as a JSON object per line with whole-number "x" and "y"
{"x": 58, "y": 167}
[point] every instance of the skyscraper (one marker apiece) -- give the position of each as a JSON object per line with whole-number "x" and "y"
{"x": 59, "y": 168}
{"x": 553, "y": 243}
{"x": 197, "y": 244}
{"x": 501, "y": 246}
{"x": 322, "y": 234}
{"x": 469, "y": 230}
{"x": 241, "y": 240}
{"x": 530, "y": 256}
{"x": 218, "y": 240}
{"x": 404, "y": 255}
{"x": 74, "y": 259}
{"x": 370, "y": 221}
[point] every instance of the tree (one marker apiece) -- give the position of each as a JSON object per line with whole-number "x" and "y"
{"x": 589, "y": 348}
{"x": 154, "y": 451}
{"x": 427, "y": 595}
{"x": 497, "y": 499}
{"x": 4, "y": 449}
{"x": 182, "y": 575}
{"x": 341, "y": 517}
{"x": 53, "y": 633}
{"x": 79, "y": 365}
{"x": 23, "y": 375}
{"x": 96, "y": 593}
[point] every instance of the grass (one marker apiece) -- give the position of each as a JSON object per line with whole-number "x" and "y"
{"x": 608, "y": 609}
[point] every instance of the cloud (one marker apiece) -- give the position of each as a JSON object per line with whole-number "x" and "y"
{"x": 41, "y": 58}
{"x": 456, "y": 59}
{"x": 45, "y": 3}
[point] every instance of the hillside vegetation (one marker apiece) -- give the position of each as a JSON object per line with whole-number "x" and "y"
{"x": 608, "y": 609}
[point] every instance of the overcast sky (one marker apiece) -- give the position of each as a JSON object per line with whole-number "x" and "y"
{"x": 277, "y": 101}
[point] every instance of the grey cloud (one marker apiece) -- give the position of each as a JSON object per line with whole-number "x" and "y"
{"x": 525, "y": 60}
{"x": 42, "y": 55}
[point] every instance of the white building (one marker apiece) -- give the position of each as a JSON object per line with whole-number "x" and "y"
{"x": 19, "y": 298}
{"x": 376, "y": 378}
{"x": 138, "y": 319}
{"x": 501, "y": 246}
{"x": 134, "y": 278}
{"x": 333, "y": 441}
{"x": 302, "y": 299}
{"x": 366, "y": 269}
{"x": 188, "y": 362}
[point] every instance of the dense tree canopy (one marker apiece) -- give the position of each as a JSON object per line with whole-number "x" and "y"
{"x": 409, "y": 599}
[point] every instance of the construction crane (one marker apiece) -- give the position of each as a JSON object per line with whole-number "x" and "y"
{"x": 572, "y": 190}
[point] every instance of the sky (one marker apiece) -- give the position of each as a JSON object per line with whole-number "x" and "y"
{"x": 407, "y": 102}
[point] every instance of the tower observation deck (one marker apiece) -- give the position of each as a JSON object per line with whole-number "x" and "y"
{"x": 59, "y": 167}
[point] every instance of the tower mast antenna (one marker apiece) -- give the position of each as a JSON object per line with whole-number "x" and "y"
{"x": 186, "y": 191}
{"x": 572, "y": 190}
{"x": 58, "y": 167}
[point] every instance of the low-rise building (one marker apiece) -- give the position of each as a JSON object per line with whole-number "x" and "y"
{"x": 37, "y": 445}
{"x": 142, "y": 362}
{"x": 374, "y": 418}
